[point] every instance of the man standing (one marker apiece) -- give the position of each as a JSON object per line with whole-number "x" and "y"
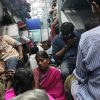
{"x": 8, "y": 53}
{"x": 87, "y": 72}
{"x": 84, "y": 83}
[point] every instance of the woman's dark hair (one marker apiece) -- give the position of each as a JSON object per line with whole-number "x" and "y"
{"x": 20, "y": 64}
{"x": 23, "y": 80}
{"x": 67, "y": 28}
{"x": 42, "y": 54}
{"x": 34, "y": 50}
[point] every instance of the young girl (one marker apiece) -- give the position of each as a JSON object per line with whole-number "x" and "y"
{"x": 48, "y": 77}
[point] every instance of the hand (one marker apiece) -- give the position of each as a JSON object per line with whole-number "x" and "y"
{"x": 20, "y": 57}
{"x": 71, "y": 42}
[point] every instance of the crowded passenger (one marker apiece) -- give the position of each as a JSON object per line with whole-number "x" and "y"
{"x": 53, "y": 20}
{"x": 64, "y": 48}
{"x": 33, "y": 52}
{"x": 53, "y": 33}
{"x": 32, "y": 60}
{"x": 48, "y": 77}
{"x": 8, "y": 54}
{"x": 54, "y": 30}
{"x": 84, "y": 83}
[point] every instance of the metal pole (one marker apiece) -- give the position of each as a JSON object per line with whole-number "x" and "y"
{"x": 47, "y": 16}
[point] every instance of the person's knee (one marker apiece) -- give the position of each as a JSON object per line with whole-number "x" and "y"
{"x": 65, "y": 71}
{"x": 11, "y": 63}
{"x": 68, "y": 82}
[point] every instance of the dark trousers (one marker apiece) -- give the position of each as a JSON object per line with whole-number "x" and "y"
{"x": 67, "y": 67}
{"x": 11, "y": 63}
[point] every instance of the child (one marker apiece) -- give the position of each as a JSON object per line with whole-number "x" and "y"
{"x": 48, "y": 77}
{"x": 22, "y": 81}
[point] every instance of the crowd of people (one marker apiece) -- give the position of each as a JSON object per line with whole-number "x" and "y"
{"x": 72, "y": 75}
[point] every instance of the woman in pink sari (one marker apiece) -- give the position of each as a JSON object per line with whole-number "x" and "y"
{"x": 22, "y": 81}
{"x": 48, "y": 77}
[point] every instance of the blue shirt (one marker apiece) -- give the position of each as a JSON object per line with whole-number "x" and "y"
{"x": 58, "y": 43}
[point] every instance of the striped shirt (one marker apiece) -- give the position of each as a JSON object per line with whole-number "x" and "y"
{"x": 87, "y": 69}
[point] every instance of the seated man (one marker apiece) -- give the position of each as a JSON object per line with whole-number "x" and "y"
{"x": 8, "y": 53}
{"x": 64, "y": 48}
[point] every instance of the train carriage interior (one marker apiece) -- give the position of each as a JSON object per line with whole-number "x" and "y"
{"x": 39, "y": 44}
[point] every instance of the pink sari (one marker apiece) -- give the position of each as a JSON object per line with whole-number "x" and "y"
{"x": 51, "y": 82}
{"x": 9, "y": 94}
